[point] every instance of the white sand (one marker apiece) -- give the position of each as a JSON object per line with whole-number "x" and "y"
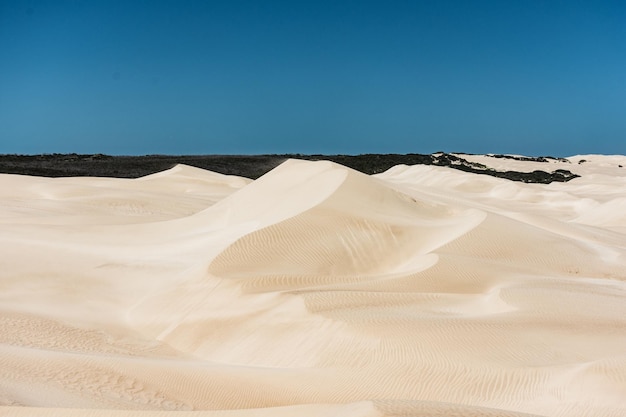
{"x": 315, "y": 291}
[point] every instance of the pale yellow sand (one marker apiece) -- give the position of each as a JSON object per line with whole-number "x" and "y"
{"x": 315, "y": 290}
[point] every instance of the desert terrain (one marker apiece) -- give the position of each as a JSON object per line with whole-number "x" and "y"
{"x": 316, "y": 290}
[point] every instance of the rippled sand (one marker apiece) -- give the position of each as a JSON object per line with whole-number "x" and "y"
{"x": 315, "y": 291}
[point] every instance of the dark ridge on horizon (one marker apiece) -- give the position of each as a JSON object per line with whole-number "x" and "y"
{"x": 253, "y": 166}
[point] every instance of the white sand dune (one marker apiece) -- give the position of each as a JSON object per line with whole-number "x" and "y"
{"x": 315, "y": 290}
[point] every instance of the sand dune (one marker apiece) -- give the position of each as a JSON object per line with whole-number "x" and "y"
{"x": 316, "y": 290}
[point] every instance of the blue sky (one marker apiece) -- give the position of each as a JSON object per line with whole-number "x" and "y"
{"x": 248, "y": 77}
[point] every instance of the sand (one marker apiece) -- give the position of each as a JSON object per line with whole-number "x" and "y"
{"x": 315, "y": 291}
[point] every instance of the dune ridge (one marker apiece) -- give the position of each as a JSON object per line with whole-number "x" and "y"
{"x": 315, "y": 290}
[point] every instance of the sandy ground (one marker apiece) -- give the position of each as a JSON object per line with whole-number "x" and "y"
{"x": 315, "y": 291}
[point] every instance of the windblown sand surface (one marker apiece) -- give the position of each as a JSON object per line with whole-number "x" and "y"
{"x": 315, "y": 291}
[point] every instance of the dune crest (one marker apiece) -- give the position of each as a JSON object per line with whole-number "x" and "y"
{"x": 315, "y": 290}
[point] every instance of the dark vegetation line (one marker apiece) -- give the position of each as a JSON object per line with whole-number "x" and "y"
{"x": 530, "y": 158}
{"x": 253, "y": 166}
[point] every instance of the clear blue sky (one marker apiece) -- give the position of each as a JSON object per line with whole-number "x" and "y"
{"x": 210, "y": 77}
